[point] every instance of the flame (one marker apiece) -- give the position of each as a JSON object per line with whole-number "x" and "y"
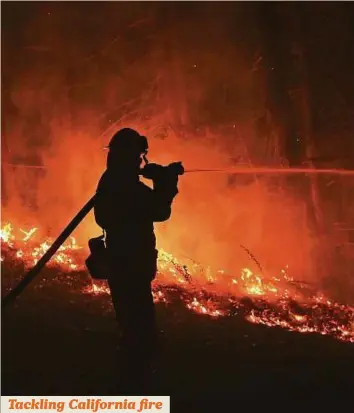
{"x": 31, "y": 251}
{"x": 6, "y": 234}
{"x": 272, "y": 300}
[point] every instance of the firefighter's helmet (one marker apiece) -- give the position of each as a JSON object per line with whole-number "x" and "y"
{"x": 129, "y": 141}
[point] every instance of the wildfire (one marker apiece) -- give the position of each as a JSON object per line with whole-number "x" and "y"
{"x": 31, "y": 251}
{"x": 272, "y": 300}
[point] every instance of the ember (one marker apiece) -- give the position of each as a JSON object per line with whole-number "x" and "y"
{"x": 275, "y": 301}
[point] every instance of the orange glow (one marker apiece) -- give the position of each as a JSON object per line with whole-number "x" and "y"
{"x": 210, "y": 102}
{"x": 275, "y": 300}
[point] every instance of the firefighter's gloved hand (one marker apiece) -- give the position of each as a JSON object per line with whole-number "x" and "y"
{"x": 152, "y": 171}
{"x": 165, "y": 178}
{"x": 176, "y": 168}
{"x": 158, "y": 172}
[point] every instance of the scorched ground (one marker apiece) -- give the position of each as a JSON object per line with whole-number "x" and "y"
{"x": 273, "y": 300}
{"x": 59, "y": 336}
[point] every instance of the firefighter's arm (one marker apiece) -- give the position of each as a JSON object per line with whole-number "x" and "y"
{"x": 163, "y": 193}
{"x": 165, "y": 189}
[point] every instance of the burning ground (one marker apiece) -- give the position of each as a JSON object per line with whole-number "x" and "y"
{"x": 59, "y": 336}
{"x": 275, "y": 300}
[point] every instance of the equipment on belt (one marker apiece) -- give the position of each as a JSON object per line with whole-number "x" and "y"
{"x": 96, "y": 263}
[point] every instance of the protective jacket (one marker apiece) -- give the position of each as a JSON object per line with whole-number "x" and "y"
{"x": 126, "y": 210}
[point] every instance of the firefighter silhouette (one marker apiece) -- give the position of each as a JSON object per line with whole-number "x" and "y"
{"x": 126, "y": 209}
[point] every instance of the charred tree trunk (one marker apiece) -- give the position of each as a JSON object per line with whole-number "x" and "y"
{"x": 289, "y": 96}
{"x": 289, "y": 91}
{"x": 277, "y": 66}
{"x": 301, "y": 98}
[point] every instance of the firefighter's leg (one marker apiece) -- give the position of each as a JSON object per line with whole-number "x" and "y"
{"x": 120, "y": 293}
{"x": 137, "y": 318}
{"x": 137, "y": 315}
{"x": 146, "y": 320}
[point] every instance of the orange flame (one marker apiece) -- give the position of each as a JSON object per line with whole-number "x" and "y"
{"x": 275, "y": 301}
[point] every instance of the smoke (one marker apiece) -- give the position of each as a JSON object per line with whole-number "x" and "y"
{"x": 187, "y": 77}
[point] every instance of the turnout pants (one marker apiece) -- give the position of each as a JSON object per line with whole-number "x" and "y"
{"x": 130, "y": 285}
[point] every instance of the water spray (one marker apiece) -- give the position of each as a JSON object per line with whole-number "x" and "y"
{"x": 16, "y": 165}
{"x": 276, "y": 171}
{"x": 261, "y": 170}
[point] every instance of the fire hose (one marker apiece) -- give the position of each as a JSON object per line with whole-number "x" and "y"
{"x": 33, "y": 272}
